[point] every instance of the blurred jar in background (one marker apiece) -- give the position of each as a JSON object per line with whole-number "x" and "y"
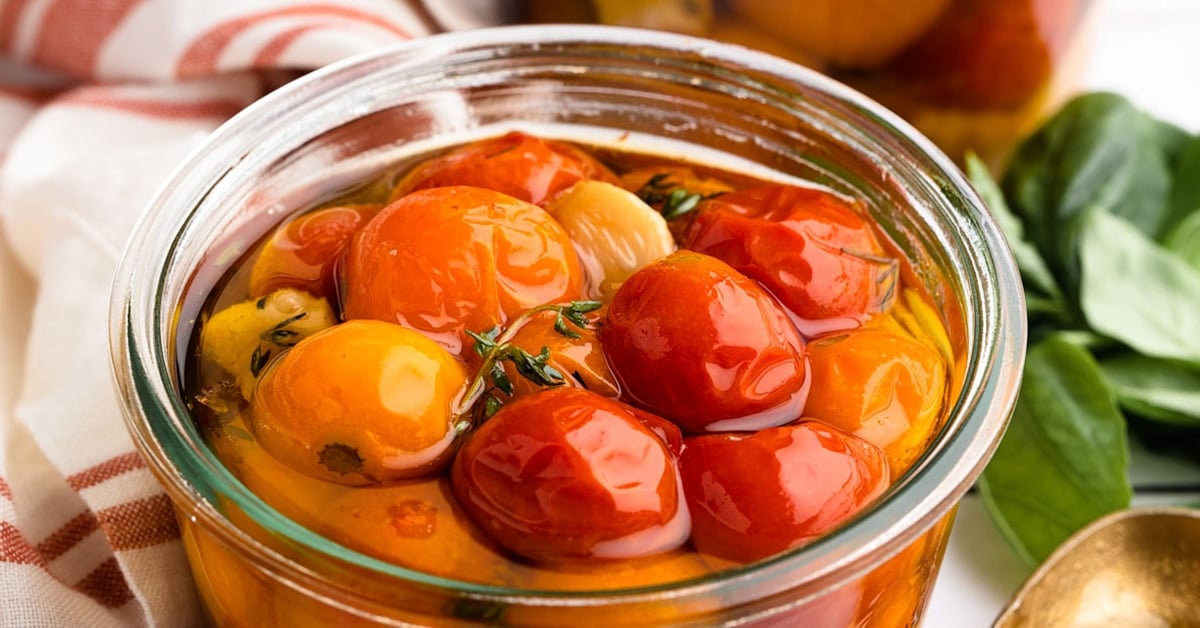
{"x": 970, "y": 74}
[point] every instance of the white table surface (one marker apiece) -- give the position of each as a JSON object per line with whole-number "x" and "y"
{"x": 1147, "y": 50}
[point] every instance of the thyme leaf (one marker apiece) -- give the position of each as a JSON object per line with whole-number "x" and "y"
{"x": 534, "y": 368}
{"x": 491, "y": 405}
{"x": 495, "y": 347}
{"x": 281, "y": 337}
{"x": 258, "y": 360}
{"x": 279, "y": 334}
{"x": 673, "y": 201}
{"x": 500, "y": 378}
{"x": 485, "y": 343}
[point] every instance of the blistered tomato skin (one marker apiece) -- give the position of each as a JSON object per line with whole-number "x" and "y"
{"x": 752, "y": 495}
{"x": 881, "y": 386}
{"x": 565, "y": 475}
{"x": 360, "y": 403}
{"x": 301, "y": 252}
{"x": 698, "y": 343}
{"x": 525, "y": 167}
{"x": 448, "y": 260}
{"x": 812, "y": 250}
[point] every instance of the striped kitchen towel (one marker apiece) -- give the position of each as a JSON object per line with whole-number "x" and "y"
{"x": 99, "y": 100}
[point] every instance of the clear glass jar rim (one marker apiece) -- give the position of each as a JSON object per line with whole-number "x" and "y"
{"x": 140, "y": 322}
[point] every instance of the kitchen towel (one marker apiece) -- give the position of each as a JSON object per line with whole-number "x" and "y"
{"x": 99, "y": 102}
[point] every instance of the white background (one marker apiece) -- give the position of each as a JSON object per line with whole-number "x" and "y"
{"x": 1149, "y": 51}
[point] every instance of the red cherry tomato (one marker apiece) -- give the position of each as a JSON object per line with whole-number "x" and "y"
{"x": 447, "y": 260}
{"x": 567, "y": 474}
{"x": 522, "y": 166}
{"x": 666, "y": 431}
{"x": 752, "y": 495}
{"x": 814, "y": 251}
{"x": 302, "y": 251}
{"x": 990, "y": 54}
{"x": 696, "y": 342}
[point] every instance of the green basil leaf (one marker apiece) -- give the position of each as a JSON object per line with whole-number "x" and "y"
{"x": 1171, "y": 137}
{"x": 1184, "y": 241}
{"x": 1034, "y": 271}
{"x": 1153, "y": 388}
{"x": 1097, "y": 151}
{"x": 1175, "y": 440}
{"x": 1185, "y": 185}
{"x": 1064, "y": 460}
{"x": 1137, "y": 292}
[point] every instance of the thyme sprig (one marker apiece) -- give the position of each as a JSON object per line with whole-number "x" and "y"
{"x": 495, "y": 347}
{"x": 673, "y": 201}
{"x": 887, "y": 278}
{"x": 278, "y": 335}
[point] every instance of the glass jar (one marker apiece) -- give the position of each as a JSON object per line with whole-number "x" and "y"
{"x": 350, "y": 122}
{"x": 970, "y": 74}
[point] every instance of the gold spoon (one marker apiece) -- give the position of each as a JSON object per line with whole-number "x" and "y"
{"x": 1135, "y": 567}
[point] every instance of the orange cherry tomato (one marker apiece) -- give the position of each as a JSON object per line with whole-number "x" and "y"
{"x": 522, "y": 166}
{"x": 566, "y": 474}
{"x": 881, "y": 386}
{"x": 700, "y": 344}
{"x": 752, "y": 495}
{"x": 813, "y": 250}
{"x": 445, "y": 261}
{"x": 580, "y": 360}
{"x": 301, "y": 252}
{"x": 363, "y": 402}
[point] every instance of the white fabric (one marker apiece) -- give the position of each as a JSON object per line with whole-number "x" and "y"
{"x": 123, "y": 91}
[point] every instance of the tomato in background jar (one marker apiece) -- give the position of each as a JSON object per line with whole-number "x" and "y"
{"x": 990, "y": 53}
{"x": 972, "y": 75}
{"x": 698, "y": 343}
{"x": 445, "y": 261}
{"x": 811, "y": 249}
{"x": 519, "y": 165}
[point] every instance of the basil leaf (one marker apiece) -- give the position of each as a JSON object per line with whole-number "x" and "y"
{"x": 1167, "y": 439}
{"x": 1155, "y": 389}
{"x": 1097, "y": 151}
{"x": 1184, "y": 241}
{"x": 1137, "y": 292}
{"x": 1064, "y": 459}
{"x": 1172, "y": 138}
{"x": 1033, "y": 268}
{"x": 1185, "y": 187}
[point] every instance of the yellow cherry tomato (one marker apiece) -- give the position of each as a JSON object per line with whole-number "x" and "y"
{"x": 363, "y": 402}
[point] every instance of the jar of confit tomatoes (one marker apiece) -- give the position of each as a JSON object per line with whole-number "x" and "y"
{"x": 397, "y": 539}
{"x": 973, "y": 75}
